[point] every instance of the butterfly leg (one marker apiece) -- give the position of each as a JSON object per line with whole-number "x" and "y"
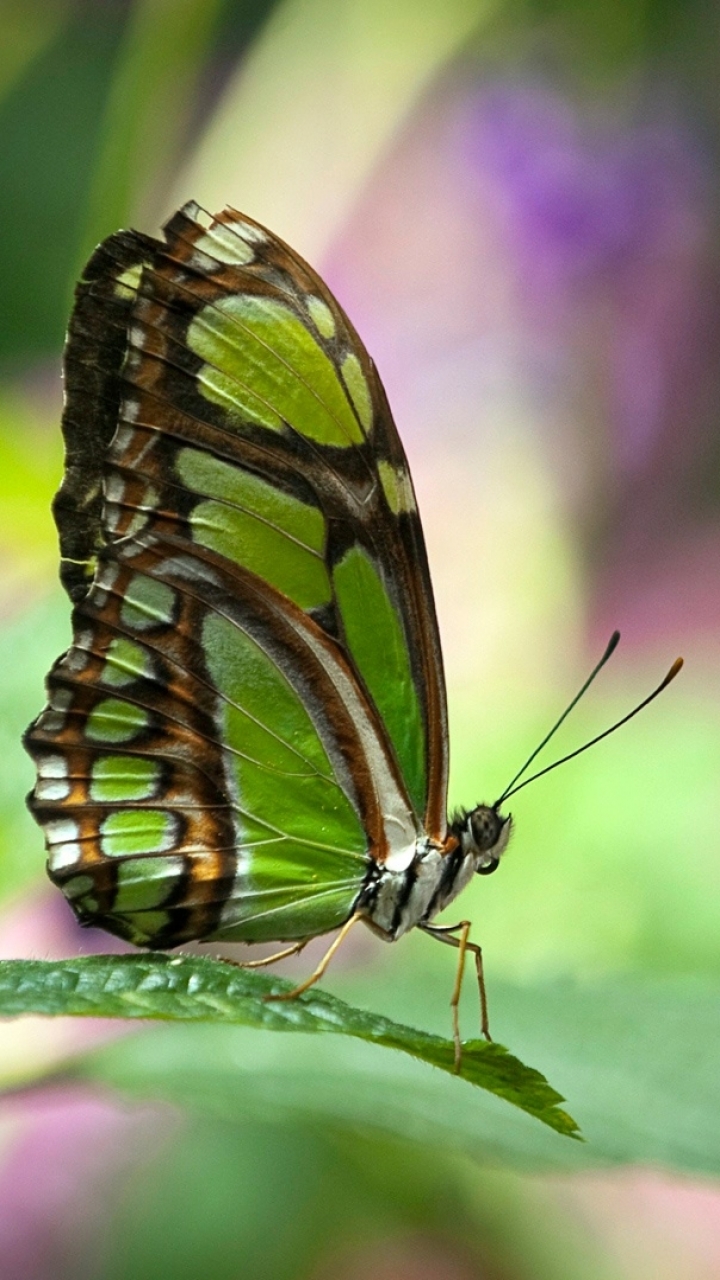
{"x": 317, "y": 973}
{"x": 294, "y": 950}
{"x": 444, "y": 933}
{"x": 276, "y": 955}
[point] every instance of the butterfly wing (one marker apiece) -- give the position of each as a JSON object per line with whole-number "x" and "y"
{"x": 251, "y": 718}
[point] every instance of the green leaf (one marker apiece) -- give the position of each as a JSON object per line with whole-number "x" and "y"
{"x": 192, "y": 989}
{"x": 637, "y": 1057}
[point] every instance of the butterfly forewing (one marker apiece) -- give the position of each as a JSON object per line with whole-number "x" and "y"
{"x": 251, "y": 718}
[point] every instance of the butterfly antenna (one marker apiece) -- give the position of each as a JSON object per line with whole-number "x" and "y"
{"x": 677, "y": 664}
{"x": 612, "y": 645}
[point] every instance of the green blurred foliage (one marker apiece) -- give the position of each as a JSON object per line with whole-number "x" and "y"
{"x": 315, "y": 1197}
{"x": 96, "y": 101}
{"x": 30, "y": 642}
{"x": 603, "y": 40}
{"x": 50, "y": 130}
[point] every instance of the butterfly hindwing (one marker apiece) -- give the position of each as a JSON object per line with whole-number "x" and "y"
{"x": 252, "y": 714}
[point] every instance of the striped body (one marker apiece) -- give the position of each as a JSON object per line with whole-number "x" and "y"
{"x": 247, "y": 739}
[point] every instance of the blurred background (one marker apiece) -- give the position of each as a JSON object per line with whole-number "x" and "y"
{"x": 517, "y": 203}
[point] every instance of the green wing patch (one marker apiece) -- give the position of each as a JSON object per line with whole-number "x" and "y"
{"x": 255, "y": 524}
{"x": 378, "y": 645}
{"x": 263, "y": 364}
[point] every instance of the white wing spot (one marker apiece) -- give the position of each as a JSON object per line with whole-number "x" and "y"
{"x": 53, "y": 719}
{"x": 62, "y": 835}
{"x": 53, "y": 767}
{"x": 76, "y": 659}
{"x": 52, "y": 789}
{"x": 53, "y": 782}
{"x": 247, "y": 230}
{"x": 103, "y": 585}
{"x": 225, "y": 245}
{"x": 190, "y": 568}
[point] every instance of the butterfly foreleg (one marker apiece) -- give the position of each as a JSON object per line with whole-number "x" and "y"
{"x": 318, "y": 972}
{"x": 445, "y": 933}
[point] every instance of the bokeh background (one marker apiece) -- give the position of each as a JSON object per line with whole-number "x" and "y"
{"x": 517, "y": 203}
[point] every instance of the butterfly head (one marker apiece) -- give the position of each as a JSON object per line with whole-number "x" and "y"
{"x": 484, "y": 833}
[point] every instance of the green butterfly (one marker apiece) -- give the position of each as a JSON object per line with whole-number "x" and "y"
{"x": 247, "y": 740}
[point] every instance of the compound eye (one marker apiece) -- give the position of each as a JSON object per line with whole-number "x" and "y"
{"x": 489, "y": 867}
{"x": 485, "y": 825}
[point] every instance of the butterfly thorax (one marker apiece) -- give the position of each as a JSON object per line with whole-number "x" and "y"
{"x": 399, "y": 900}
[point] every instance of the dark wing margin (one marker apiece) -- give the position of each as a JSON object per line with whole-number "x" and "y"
{"x": 95, "y": 352}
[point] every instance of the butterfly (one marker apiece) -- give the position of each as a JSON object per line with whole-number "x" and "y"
{"x": 247, "y": 739}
